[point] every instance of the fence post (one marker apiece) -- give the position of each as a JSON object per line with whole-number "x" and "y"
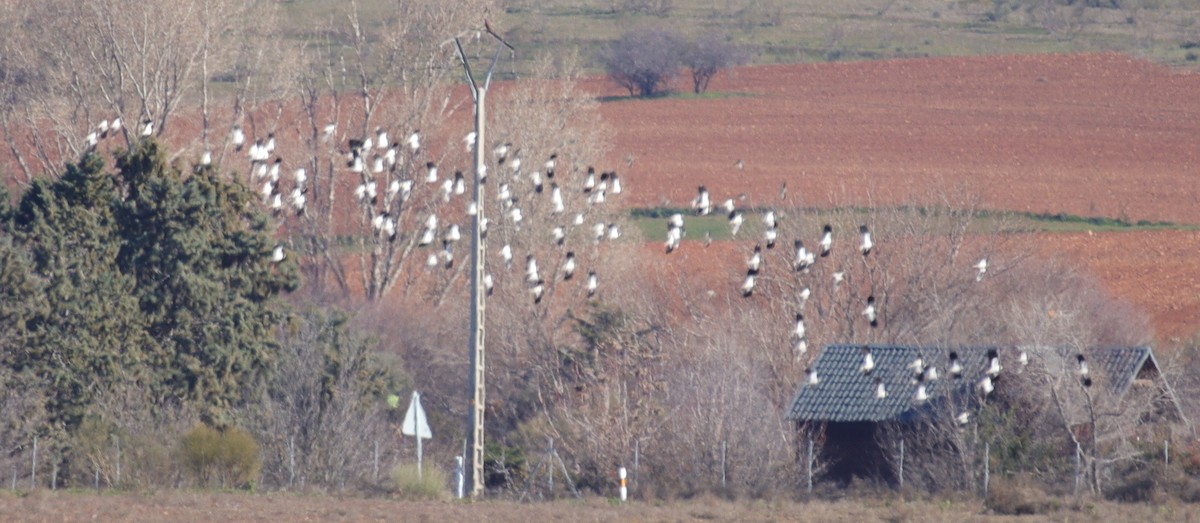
{"x": 375, "y": 461}
{"x": 117, "y": 439}
{"x": 33, "y": 466}
{"x": 1078, "y": 452}
{"x": 637, "y": 448}
{"x": 810, "y": 464}
{"x": 624, "y": 491}
{"x": 291, "y": 460}
{"x": 1167, "y": 452}
{"x": 550, "y": 469}
{"x": 54, "y": 476}
{"x": 723, "y": 449}
{"x": 902, "y": 464}
{"x": 987, "y": 467}
{"x": 96, "y": 478}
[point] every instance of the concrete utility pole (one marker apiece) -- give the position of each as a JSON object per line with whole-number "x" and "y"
{"x": 474, "y": 470}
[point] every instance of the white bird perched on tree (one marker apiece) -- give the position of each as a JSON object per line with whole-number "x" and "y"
{"x": 488, "y": 283}
{"x": 674, "y": 235}
{"x": 994, "y": 368}
{"x": 799, "y": 349}
{"x": 389, "y": 227}
{"x": 102, "y": 128}
{"x": 515, "y": 215}
{"x": 116, "y": 125}
{"x": 591, "y": 284}
{"x": 868, "y": 361}
{"x": 589, "y": 180}
{"x": 770, "y": 220}
{"x": 748, "y": 284}
{"x": 300, "y": 176}
{"x": 431, "y": 261}
{"x": 869, "y": 311}
{"x": 92, "y": 139}
{"x": 501, "y": 151}
{"x": 980, "y": 268}
{"x": 206, "y": 158}
{"x": 556, "y": 198}
{"x": 770, "y": 235}
{"x": 755, "y": 261}
{"x": 431, "y": 173}
{"x": 578, "y": 219}
{"x": 986, "y": 386}
{"x": 328, "y": 130}
{"x": 550, "y": 165}
{"x": 838, "y": 278}
{"x": 1082, "y": 370}
{"x": 804, "y": 259}
{"x": 826, "y": 240}
{"x": 273, "y": 173}
{"x": 427, "y": 237}
{"x": 377, "y": 164}
{"x": 356, "y": 164}
{"x": 298, "y": 200}
{"x": 539, "y": 287}
{"x": 504, "y": 193}
{"x": 735, "y": 222}
{"x": 560, "y": 235}
{"x": 867, "y": 244}
{"x": 963, "y": 418}
{"x": 614, "y": 231}
{"x": 469, "y": 141}
{"x": 531, "y": 268}
{"x": 798, "y": 331}
{"x": 506, "y": 255}
{"x": 147, "y": 127}
{"x": 569, "y": 266}
{"x": 598, "y": 231}
{"x": 616, "y": 183}
{"x": 447, "y": 254}
{"x": 536, "y": 178}
{"x": 702, "y": 203}
{"x": 453, "y": 234}
{"x": 447, "y": 189}
{"x": 414, "y": 140}
{"x": 277, "y": 254}
{"x": 1023, "y": 358}
{"x": 803, "y": 295}
{"x": 381, "y": 138}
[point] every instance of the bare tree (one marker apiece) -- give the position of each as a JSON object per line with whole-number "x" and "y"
{"x": 707, "y": 55}
{"x": 644, "y": 60}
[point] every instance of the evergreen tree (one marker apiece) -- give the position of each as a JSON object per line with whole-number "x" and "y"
{"x": 200, "y": 253}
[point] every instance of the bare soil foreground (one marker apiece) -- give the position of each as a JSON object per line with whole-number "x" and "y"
{"x": 1087, "y": 134}
{"x": 227, "y": 507}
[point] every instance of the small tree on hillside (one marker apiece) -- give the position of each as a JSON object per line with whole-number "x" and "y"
{"x": 644, "y": 60}
{"x": 707, "y": 55}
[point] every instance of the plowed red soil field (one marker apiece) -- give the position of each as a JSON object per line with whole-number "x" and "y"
{"x": 1091, "y": 135}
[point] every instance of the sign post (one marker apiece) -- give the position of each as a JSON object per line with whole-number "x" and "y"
{"x": 416, "y": 426}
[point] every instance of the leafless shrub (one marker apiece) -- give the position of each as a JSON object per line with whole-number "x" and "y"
{"x": 643, "y": 61}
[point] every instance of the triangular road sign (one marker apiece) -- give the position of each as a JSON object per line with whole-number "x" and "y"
{"x": 414, "y": 419}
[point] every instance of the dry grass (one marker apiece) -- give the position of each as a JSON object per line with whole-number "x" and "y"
{"x": 203, "y": 507}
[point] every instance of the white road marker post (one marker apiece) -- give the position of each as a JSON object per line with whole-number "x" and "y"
{"x": 624, "y": 490}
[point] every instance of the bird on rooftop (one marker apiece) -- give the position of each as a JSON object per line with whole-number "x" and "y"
{"x": 922, "y": 395}
{"x": 810, "y": 377}
{"x": 868, "y": 361}
{"x": 955, "y": 366}
{"x": 880, "y": 391}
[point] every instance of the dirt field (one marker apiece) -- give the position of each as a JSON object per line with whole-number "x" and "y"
{"x": 1090, "y": 135}
{"x": 46, "y": 506}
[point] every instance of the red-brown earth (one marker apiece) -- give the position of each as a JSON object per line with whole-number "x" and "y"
{"x": 1091, "y": 135}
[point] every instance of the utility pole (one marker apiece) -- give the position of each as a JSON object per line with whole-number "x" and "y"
{"x": 474, "y": 470}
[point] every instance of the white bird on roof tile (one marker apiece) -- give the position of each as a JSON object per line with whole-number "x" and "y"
{"x": 868, "y": 361}
{"x": 880, "y": 391}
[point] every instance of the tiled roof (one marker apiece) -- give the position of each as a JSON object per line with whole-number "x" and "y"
{"x": 845, "y": 394}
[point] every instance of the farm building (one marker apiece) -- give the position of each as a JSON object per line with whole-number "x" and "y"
{"x": 856, "y": 397}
